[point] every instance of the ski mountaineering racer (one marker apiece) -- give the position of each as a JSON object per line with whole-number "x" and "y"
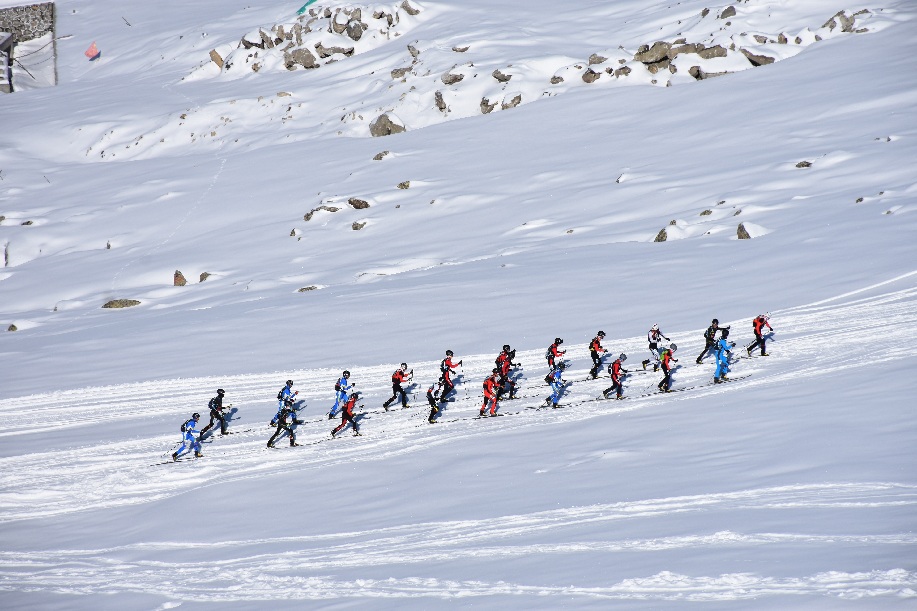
{"x": 188, "y": 439}
{"x": 504, "y": 363}
{"x": 216, "y": 413}
{"x": 758, "y": 325}
{"x": 554, "y": 352}
{"x": 433, "y": 397}
{"x": 617, "y": 378}
{"x": 491, "y": 392}
{"x": 347, "y": 416}
{"x": 286, "y": 421}
{"x": 400, "y": 376}
{"x": 722, "y": 357}
{"x": 286, "y": 393}
{"x": 709, "y": 340}
{"x": 341, "y": 388}
{"x": 653, "y": 336}
{"x": 666, "y": 358}
{"x": 555, "y": 379}
{"x": 447, "y": 369}
{"x": 596, "y": 351}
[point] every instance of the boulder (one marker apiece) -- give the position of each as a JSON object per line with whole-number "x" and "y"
{"x": 12, "y": 328}
{"x": 675, "y": 51}
{"x": 503, "y": 78}
{"x": 204, "y": 276}
{"x": 756, "y": 59}
{"x": 511, "y": 102}
{"x": 451, "y": 79}
{"x": 121, "y": 303}
{"x": 729, "y": 11}
{"x": 711, "y": 52}
{"x": 385, "y": 125}
{"x": 623, "y": 71}
{"x": 404, "y": 185}
{"x": 591, "y": 76}
{"x": 595, "y": 58}
{"x": 299, "y": 57}
{"x": 440, "y": 102}
{"x": 216, "y": 58}
{"x": 358, "y": 226}
{"x": 381, "y": 156}
{"x": 410, "y": 10}
{"x": 662, "y": 236}
{"x": 461, "y": 49}
{"x": 657, "y": 52}
{"x": 357, "y": 203}
{"x": 556, "y": 80}
{"x": 804, "y": 164}
{"x": 355, "y": 29}
{"x": 398, "y": 73}
{"x": 178, "y": 279}
{"x": 486, "y": 106}
{"x": 741, "y": 233}
{"x": 324, "y": 51}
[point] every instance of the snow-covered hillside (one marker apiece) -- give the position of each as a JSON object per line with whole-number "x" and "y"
{"x": 526, "y": 200}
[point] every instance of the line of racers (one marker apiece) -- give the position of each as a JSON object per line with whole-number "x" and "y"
{"x": 500, "y": 385}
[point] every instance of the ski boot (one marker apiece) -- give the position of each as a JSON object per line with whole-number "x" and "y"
{"x": 431, "y": 421}
{"x": 334, "y": 433}
{"x": 697, "y": 361}
{"x": 270, "y": 445}
{"x": 555, "y": 405}
{"x": 481, "y": 415}
{"x": 764, "y": 354}
{"x": 198, "y": 455}
{"x": 655, "y": 368}
{"x": 357, "y": 434}
{"x": 645, "y": 363}
{"x": 175, "y": 456}
{"x": 748, "y": 351}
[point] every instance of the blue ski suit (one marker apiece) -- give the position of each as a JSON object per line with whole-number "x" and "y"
{"x": 557, "y": 385}
{"x": 189, "y": 440}
{"x": 340, "y": 397}
{"x": 723, "y": 348}
{"x": 285, "y": 393}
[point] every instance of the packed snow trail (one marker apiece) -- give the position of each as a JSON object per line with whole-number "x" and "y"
{"x": 59, "y": 478}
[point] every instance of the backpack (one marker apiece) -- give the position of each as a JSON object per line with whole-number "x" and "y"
{"x": 549, "y": 352}
{"x": 280, "y": 395}
{"x": 548, "y": 379}
{"x": 183, "y": 427}
{"x": 708, "y": 335}
{"x": 442, "y": 366}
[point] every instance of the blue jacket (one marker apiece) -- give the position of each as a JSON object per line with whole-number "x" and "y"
{"x": 722, "y": 347}
{"x": 189, "y": 426}
{"x": 286, "y": 393}
{"x": 342, "y": 385}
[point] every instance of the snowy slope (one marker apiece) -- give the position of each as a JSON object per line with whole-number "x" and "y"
{"x": 793, "y": 487}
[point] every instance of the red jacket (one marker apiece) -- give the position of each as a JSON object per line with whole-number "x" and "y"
{"x": 616, "y": 370}
{"x": 596, "y": 345}
{"x": 348, "y": 407}
{"x": 555, "y": 352}
{"x": 400, "y": 376}
{"x": 490, "y": 387}
{"x": 759, "y": 323}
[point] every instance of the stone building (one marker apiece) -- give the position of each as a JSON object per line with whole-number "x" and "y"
{"x": 20, "y": 23}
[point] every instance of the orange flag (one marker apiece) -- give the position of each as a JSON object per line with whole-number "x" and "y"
{"x": 93, "y": 51}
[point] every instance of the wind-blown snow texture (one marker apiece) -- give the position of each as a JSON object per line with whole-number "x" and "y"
{"x": 794, "y": 487}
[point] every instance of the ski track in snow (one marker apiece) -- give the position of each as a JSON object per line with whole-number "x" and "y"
{"x": 64, "y": 480}
{"x": 35, "y": 484}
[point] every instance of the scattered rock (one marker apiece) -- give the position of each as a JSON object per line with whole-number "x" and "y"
{"x": 662, "y": 236}
{"x": 306, "y": 289}
{"x": 451, "y": 79}
{"x": 121, "y": 303}
{"x": 398, "y": 73}
{"x": 741, "y": 233}
{"x": 512, "y": 103}
{"x": 569, "y": 231}
{"x": 711, "y": 52}
{"x": 673, "y": 223}
{"x": 380, "y": 156}
{"x": 216, "y": 58}
{"x": 460, "y": 49}
{"x": 591, "y": 76}
{"x": 358, "y": 226}
{"x": 355, "y": 29}
{"x": 623, "y": 71}
{"x": 705, "y": 12}
{"x": 413, "y": 51}
{"x": 179, "y": 279}
{"x": 385, "y": 125}
{"x": 299, "y": 57}
{"x": 410, "y": 10}
{"x": 649, "y": 55}
{"x": 204, "y": 276}
{"x": 325, "y": 52}
{"x": 404, "y": 185}
{"x": 757, "y": 59}
{"x": 595, "y": 58}
{"x": 486, "y": 106}
{"x": 556, "y": 80}
{"x": 440, "y": 102}
{"x": 12, "y": 328}
{"x": 706, "y": 213}
{"x": 357, "y": 203}
{"x": 3, "y": 218}
{"x": 729, "y": 11}
{"x": 503, "y": 78}
{"x": 108, "y": 245}
{"x": 308, "y": 215}
{"x": 781, "y": 39}
{"x": 761, "y": 39}
{"x": 26, "y": 223}
{"x": 804, "y": 164}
